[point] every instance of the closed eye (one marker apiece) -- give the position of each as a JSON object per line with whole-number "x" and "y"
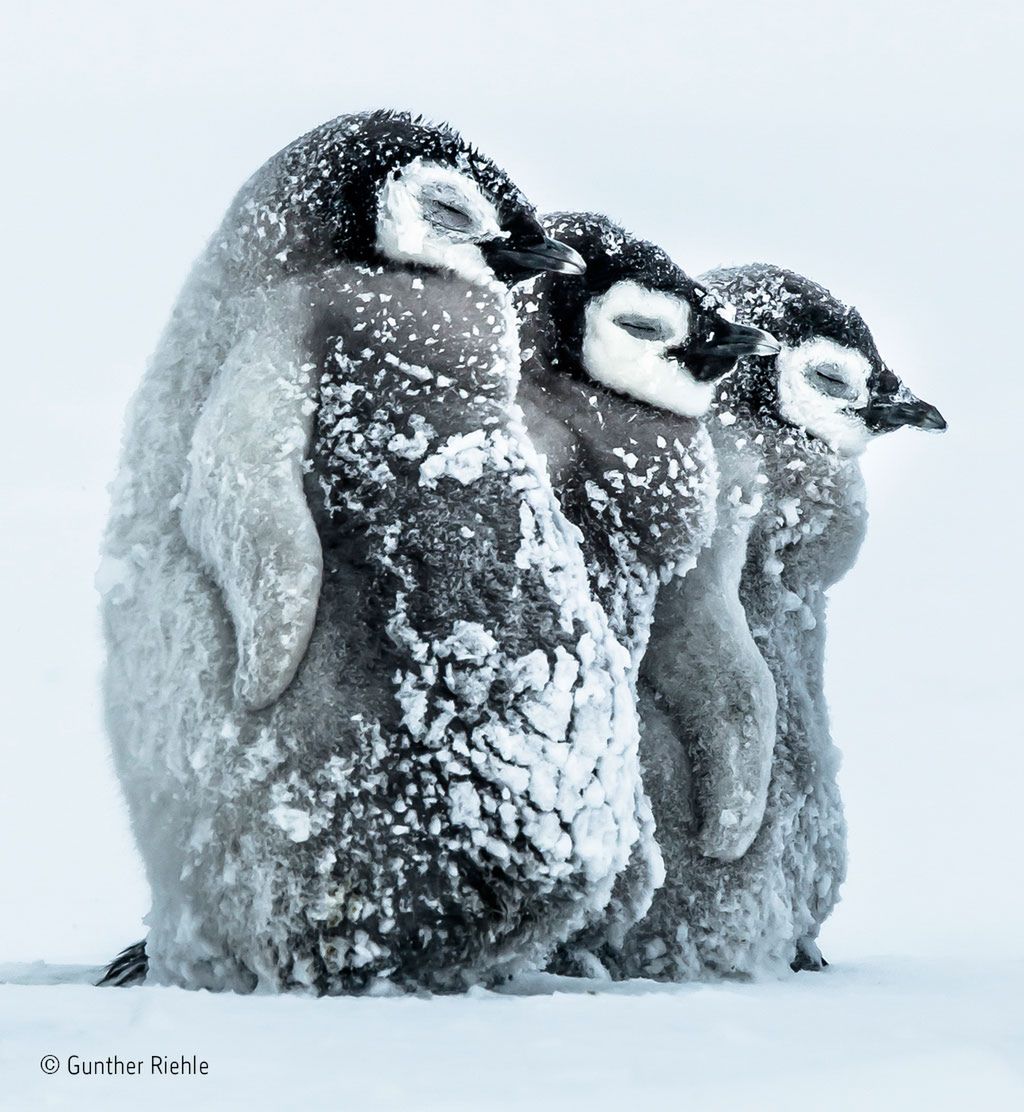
{"x": 643, "y": 328}
{"x": 827, "y": 378}
{"x": 445, "y": 215}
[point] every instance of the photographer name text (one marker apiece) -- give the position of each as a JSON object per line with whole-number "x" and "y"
{"x": 156, "y": 1065}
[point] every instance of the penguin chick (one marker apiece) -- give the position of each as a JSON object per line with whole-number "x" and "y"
{"x": 787, "y": 430}
{"x": 369, "y": 722}
{"x": 383, "y": 187}
{"x": 617, "y": 368}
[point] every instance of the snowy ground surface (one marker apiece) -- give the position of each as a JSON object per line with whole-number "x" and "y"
{"x": 875, "y": 147}
{"x": 884, "y": 1032}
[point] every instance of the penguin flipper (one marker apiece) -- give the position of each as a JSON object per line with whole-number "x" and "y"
{"x": 243, "y": 507}
{"x": 712, "y": 680}
{"x": 129, "y": 968}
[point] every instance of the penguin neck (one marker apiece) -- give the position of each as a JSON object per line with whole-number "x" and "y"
{"x": 795, "y": 461}
{"x": 637, "y": 481}
{"x": 607, "y": 425}
{"x": 811, "y": 522}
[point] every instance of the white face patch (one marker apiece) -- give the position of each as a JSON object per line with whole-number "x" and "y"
{"x": 820, "y": 384}
{"x": 433, "y": 215}
{"x": 627, "y": 332}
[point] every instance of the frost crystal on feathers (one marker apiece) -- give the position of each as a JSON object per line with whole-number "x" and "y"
{"x": 762, "y": 658}
{"x": 638, "y": 480}
{"x": 791, "y": 522}
{"x": 427, "y": 770}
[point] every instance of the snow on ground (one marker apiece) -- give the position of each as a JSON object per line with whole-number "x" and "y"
{"x": 881, "y": 1033}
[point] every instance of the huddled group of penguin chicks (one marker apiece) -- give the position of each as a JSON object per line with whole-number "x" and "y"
{"x": 464, "y": 589}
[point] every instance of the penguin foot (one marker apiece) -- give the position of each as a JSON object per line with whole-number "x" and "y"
{"x": 808, "y": 957}
{"x": 128, "y": 968}
{"x": 570, "y": 961}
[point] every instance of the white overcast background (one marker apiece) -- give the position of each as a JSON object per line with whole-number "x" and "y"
{"x": 876, "y": 147}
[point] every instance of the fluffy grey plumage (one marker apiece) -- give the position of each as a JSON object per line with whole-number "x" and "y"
{"x": 638, "y": 480}
{"x": 791, "y": 521}
{"x": 369, "y": 721}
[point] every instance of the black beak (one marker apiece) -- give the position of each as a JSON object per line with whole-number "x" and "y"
{"x": 887, "y": 413}
{"x": 514, "y": 260}
{"x": 716, "y": 353}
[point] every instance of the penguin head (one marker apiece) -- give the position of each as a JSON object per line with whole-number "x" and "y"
{"x": 635, "y": 322}
{"x": 420, "y": 195}
{"x": 828, "y": 378}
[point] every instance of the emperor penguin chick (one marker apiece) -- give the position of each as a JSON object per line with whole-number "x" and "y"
{"x": 369, "y": 722}
{"x": 618, "y": 367}
{"x": 787, "y": 429}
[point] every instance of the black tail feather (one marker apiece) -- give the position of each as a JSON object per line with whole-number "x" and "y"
{"x": 129, "y": 968}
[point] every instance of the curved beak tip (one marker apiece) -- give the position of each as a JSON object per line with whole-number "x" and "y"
{"x": 885, "y": 415}
{"x": 727, "y": 344}
{"x": 766, "y": 345}
{"x": 746, "y": 339}
{"x": 565, "y": 259}
{"x": 523, "y": 260}
{"x": 922, "y": 415}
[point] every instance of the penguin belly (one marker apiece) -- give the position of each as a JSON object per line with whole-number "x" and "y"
{"x": 707, "y": 704}
{"x": 815, "y": 550}
{"x": 754, "y": 915}
{"x": 445, "y": 790}
{"x": 640, "y": 486}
